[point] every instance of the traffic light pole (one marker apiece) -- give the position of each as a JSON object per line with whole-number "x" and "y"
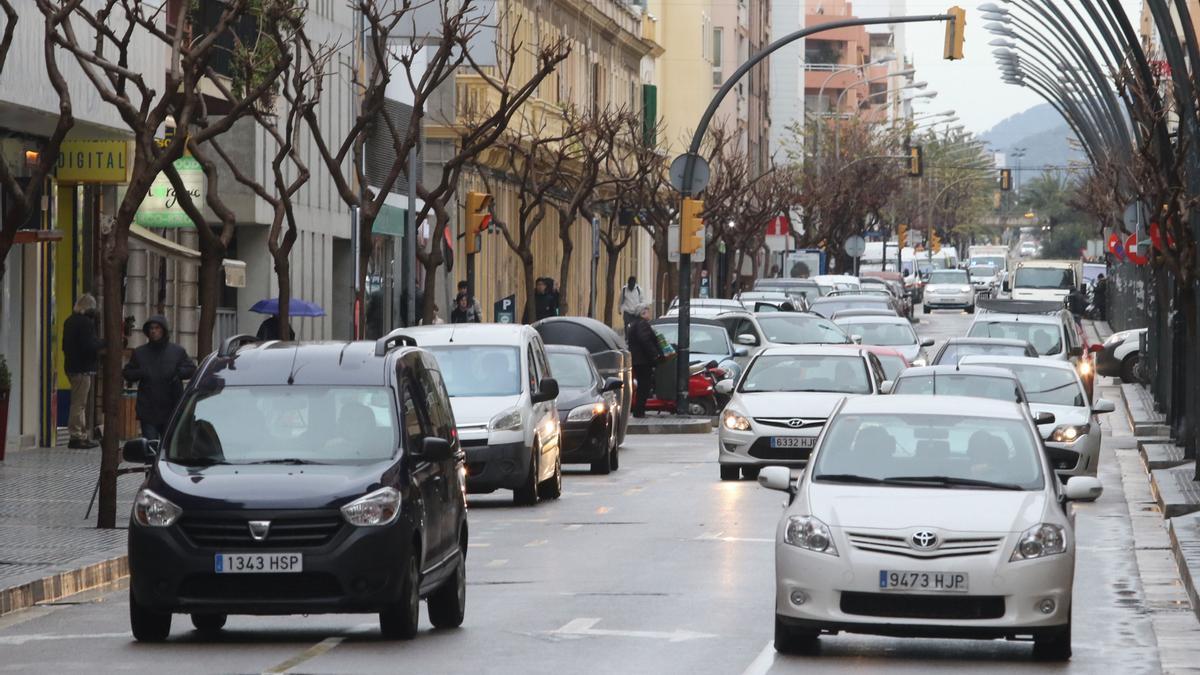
{"x": 685, "y": 259}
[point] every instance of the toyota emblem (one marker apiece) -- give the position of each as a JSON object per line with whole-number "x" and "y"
{"x": 795, "y": 423}
{"x": 924, "y": 540}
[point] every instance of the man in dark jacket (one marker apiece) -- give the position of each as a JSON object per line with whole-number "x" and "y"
{"x": 645, "y": 352}
{"x": 269, "y": 329}
{"x": 81, "y": 355}
{"x": 545, "y": 299}
{"x": 159, "y": 367}
{"x": 1100, "y": 297}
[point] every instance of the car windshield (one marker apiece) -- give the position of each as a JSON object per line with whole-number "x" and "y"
{"x": 571, "y": 370}
{"x": 816, "y": 372}
{"x": 830, "y": 306}
{"x": 892, "y": 366}
{"x": 479, "y": 370}
{"x": 1045, "y": 338}
{"x": 948, "y": 277}
{"x": 1058, "y": 278}
{"x": 790, "y": 329}
{"x": 938, "y": 451}
{"x": 983, "y": 271}
{"x": 294, "y": 424}
{"x": 953, "y": 353}
{"x": 704, "y": 339}
{"x": 996, "y": 261}
{"x": 959, "y": 384}
{"x": 1048, "y": 385}
{"x": 883, "y": 334}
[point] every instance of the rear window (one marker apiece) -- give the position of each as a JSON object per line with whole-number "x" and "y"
{"x": 948, "y": 384}
{"x": 954, "y": 353}
{"x": 1045, "y": 278}
{"x": 783, "y": 372}
{"x": 1045, "y": 338}
{"x": 479, "y": 370}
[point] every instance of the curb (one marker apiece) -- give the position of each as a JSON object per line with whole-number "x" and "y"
{"x": 64, "y": 583}
{"x": 1185, "y": 570}
{"x": 699, "y": 425}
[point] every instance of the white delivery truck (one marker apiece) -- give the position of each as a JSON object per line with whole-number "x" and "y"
{"x": 1044, "y": 279}
{"x": 996, "y": 256}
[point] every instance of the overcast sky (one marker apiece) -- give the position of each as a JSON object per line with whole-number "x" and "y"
{"x": 971, "y": 87}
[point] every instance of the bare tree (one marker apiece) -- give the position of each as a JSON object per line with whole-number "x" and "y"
{"x": 23, "y": 198}
{"x": 102, "y": 45}
{"x": 629, "y": 167}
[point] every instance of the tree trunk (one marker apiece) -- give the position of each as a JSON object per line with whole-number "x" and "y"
{"x": 116, "y": 252}
{"x": 530, "y": 285}
{"x": 613, "y": 283}
{"x": 564, "y": 267}
{"x": 284, "y": 279}
{"x": 211, "y": 256}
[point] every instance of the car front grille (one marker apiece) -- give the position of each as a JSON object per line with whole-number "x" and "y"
{"x": 784, "y": 422}
{"x": 293, "y": 531}
{"x": 1061, "y": 459}
{"x": 251, "y": 587}
{"x": 954, "y": 547}
{"x": 761, "y": 449}
{"x": 906, "y": 606}
{"x": 473, "y": 442}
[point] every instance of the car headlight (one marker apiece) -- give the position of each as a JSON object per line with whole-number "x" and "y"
{"x": 1085, "y": 367}
{"x": 1040, "y": 541}
{"x": 585, "y": 413}
{"x": 809, "y": 533}
{"x": 734, "y": 421}
{"x": 918, "y": 363}
{"x": 1067, "y": 433}
{"x": 509, "y": 420}
{"x": 377, "y": 508}
{"x": 152, "y": 510}
{"x": 965, "y": 289}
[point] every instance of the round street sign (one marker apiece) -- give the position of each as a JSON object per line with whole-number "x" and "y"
{"x": 700, "y": 174}
{"x": 856, "y": 246}
{"x": 1135, "y": 216}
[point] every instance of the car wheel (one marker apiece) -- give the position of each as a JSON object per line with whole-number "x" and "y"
{"x": 1053, "y": 646}
{"x": 527, "y": 494}
{"x": 1129, "y": 369}
{"x": 730, "y": 472}
{"x": 209, "y": 623}
{"x": 604, "y": 464}
{"x": 400, "y": 620}
{"x": 703, "y": 407}
{"x": 448, "y": 604}
{"x": 750, "y": 472}
{"x": 971, "y": 309}
{"x": 551, "y": 488}
{"x": 146, "y": 624}
{"x": 614, "y": 457}
{"x": 790, "y": 640}
{"x": 925, "y": 308}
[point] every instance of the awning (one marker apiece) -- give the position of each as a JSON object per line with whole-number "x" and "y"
{"x": 235, "y": 270}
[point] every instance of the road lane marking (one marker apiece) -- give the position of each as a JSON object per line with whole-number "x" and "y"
{"x": 603, "y": 510}
{"x": 499, "y": 562}
{"x": 634, "y": 490}
{"x": 572, "y": 528}
{"x": 761, "y": 665}
{"x": 478, "y": 544}
{"x": 585, "y": 627}
{"x": 717, "y": 537}
{"x": 311, "y": 653}
{"x": 537, "y": 542}
{"x": 42, "y": 637}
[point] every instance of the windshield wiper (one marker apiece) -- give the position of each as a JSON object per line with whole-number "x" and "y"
{"x": 848, "y": 478}
{"x": 954, "y": 481}
{"x": 285, "y": 460}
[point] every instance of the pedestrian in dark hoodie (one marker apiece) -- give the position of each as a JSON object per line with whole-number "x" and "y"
{"x": 545, "y": 299}
{"x": 81, "y": 351}
{"x": 159, "y": 367}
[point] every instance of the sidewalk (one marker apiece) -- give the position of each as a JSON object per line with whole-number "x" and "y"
{"x": 48, "y": 550}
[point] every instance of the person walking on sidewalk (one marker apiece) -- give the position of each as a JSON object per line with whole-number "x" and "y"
{"x": 474, "y": 311}
{"x": 159, "y": 368}
{"x": 645, "y": 353}
{"x": 1100, "y": 297}
{"x": 631, "y": 298}
{"x": 81, "y": 354}
{"x": 545, "y": 299}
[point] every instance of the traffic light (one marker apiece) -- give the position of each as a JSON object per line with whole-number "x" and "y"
{"x": 691, "y": 226}
{"x": 935, "y": 242}
{"x": 1005, "y": 179}
{"x": 478, "y": 219}
{"x": 955, "y": 32}
{"x": 902, "y": 235}
{"x": 916, "y": 160}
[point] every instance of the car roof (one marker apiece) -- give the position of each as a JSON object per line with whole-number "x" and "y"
{"x": 1005, "y": 342}
{"x": 975, "y": 359}
{"x": 812, "y": 350}
{"x": 999, "y": 317}
{"x": 877, "y": 350}
{"x": 979, "y": 371}
{"x": 785, "y": 281}
{"x": 302, "y": 363}
{"x": 854, "y": 313}
{"x": 472, "y": 334}
{"x": 865, "y": 298}
{"x": 673, "y": 321}
{"x": 916, "y": 404}
{"x": 872, "y": 318}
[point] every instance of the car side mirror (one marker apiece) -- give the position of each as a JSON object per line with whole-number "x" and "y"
{"x": 1096, "y": 348}
{"x": 747, "y": 339}
{"x": 724, "y": 387}
{"x": 885, "y": 387}
{"x": 1081, "y": 488}
{"x": 435, "y": 449}
{"x": 856, "y": 339}
{"x": 1103, "y": 405}
{"x": 741, "y": 351}
{"x": 547, "y": 390}
{"x": 139, "y": 451}
{"x": 1043, "y": 418}
{"x": 776, "y": 478}
{"x": 927, "y": 342}
{"x": 613, "y": 384}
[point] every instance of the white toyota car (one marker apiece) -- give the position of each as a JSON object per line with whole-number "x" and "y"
{"x": 781, "y": 402}
{"x": 927, "y": 521}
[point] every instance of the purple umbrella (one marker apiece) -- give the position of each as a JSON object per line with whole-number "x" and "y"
{"x": 296, "y": 307}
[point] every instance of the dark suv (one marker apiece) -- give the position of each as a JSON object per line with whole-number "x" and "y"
{"x": 303, "y": 478}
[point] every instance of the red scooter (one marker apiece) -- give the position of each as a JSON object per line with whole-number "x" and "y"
{"x": 702, "y": 395}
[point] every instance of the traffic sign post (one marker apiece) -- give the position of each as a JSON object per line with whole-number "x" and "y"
{"x": 855, "y": 246}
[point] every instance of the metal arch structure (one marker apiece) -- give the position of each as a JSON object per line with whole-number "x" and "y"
{"x": 685, "y": 259}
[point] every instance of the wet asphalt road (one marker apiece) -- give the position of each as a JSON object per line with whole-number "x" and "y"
{"x": 658, "y": 568}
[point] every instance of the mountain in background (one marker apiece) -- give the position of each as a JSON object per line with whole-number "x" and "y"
{"x": 1047, "y": 140}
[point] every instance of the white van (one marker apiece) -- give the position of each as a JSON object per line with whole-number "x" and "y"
{"x": 503, "y": 395}
{"x": 1044, "y": 280}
